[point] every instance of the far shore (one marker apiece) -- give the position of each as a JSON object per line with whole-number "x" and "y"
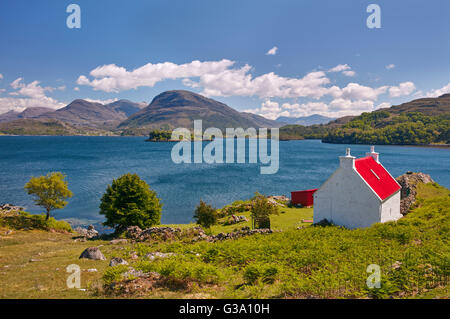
{"x": 443, "y": 146}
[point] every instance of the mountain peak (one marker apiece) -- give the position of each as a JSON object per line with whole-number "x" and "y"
{"x": 179, "y": 108}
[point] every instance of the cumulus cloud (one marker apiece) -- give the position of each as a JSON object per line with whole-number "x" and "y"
{"x": 390, "y": 66}
{"x": 340, "y": 68}
{"x": 28, "y": 95}
{"x": 438, "y": 92}
{"x": 272, "y": 51}
{"x": 349, "y": 73}
{"x": 1, "y": 76}
{"x": 336, "y": 108}
{"x": 355, "y": 91}
{"x": 224, "y": 78}
{"x": 403, "y": 89}
{"x": 76, "y": 88}
{"x": 112, "y": 78}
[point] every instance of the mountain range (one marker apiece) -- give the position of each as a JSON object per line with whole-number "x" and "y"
{"x": 306, "y": 120}
{"x": 168, "y": 110}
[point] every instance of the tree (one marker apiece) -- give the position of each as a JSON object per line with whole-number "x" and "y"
{"x": 205, "y": 215}
{"x": 50, "y": 191}
{"x": 129, "y": 201}
{"x": 261, "y": 211}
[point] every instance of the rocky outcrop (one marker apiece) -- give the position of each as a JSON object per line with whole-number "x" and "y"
{"x": 409, "y": 182}
{"x": 88, "y": 233}
{"x": 234, "y": 219}
{"x": 163, "y": 233}
{"x": 117, "y": 261}
{"x": 194, "y": 233}
{"x": 92, "y": 253}
{"x": 9, "y": 210}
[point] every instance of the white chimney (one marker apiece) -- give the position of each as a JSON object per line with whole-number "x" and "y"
{"x": 373, "y": 154}
{"x": 347, "y": 161}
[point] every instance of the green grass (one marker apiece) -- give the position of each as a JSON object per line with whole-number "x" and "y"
{"x": 295, "y": 263}
{"x": 288, "y": 218}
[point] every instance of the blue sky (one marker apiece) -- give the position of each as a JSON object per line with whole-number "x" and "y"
{"x": 327, "y": 60}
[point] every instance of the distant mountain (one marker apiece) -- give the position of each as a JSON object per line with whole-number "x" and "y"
{"x": 306, "y": 120}
{"x": 126, "y": 107}
{"x": 33, "y": 112}
{"x": 30, "y": 112}
{"x": 9, "y": 116}
{"x": 179, "y": 108}
{"x": 47, "y": 127}
{"x": 82, "y": 112}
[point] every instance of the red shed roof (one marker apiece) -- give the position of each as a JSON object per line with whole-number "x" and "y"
{"x": 377, "y": 177}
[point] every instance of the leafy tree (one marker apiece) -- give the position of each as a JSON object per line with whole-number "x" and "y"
{"x": 50, "y": 191}
{"x": 205, "y": 215}
{"x": 261, "y": 211}
{"x": 129, "y": 201}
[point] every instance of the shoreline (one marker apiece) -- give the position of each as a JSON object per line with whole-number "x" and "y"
{"x": 442, "y": 146}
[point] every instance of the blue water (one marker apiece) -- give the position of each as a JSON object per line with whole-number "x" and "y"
{"x": 91, "y": 163}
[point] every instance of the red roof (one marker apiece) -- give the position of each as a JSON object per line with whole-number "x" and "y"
{"x": 376, "y": 176}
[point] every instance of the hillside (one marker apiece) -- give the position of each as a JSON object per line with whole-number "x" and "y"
{"x": 82, "y": 112}
{"x": 126, "y": 107}
{"x": 47, "y": 127}
{"x": 419, "y": 122}
{"x": 30, "y": 112}
{"x": 292, "y": 262}
{"x": 172, "y": 109}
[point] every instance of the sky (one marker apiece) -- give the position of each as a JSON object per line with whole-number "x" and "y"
{"x": 273, "y": 58}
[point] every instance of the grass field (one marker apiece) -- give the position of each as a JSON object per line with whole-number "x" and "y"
{"x": 313, "y": 262}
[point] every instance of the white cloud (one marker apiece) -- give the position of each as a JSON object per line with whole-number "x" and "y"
{"x": 28, "y": 95}
{"x": 383, "y": 105}
{"x": 438, "y": 92}
{"x": 355, "y": 91}
{"x": 104, "y": 102}
{"x": 112, "y": 78}
{"x": 349, "y": 73}
{"x": 340, "y": 68}
{"x": 272, "y": 51}
{"x": 76, "y": 88}
{"x": 336, "y": 108}
{"x": 1, "y": 76}
{"x": 390, "y": 66}
{"x": 403, "y": 89}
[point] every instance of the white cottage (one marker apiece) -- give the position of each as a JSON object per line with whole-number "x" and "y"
{"x": 360, "y": 192}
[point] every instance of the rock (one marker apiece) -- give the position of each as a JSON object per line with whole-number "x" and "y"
{"x": 117, "y": 261}
{"x": 408, "y": 183}
{"x": 396, "y": 265}
{"x": 157, "y": 254}
{"x": 92, "y": 253}
{"x": 118, "y": 241}
{"x": 164, "y": 233}
{"x": 92, "y": 270}
{"x": 35, "y": 260}
{"x": 134, "y": 255}
{"x": 88, "y": 233}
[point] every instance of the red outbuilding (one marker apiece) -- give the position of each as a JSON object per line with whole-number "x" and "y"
{"x": 304, "y": 198}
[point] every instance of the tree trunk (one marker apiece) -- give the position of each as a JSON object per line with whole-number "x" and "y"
{"x": 48, "y": 214}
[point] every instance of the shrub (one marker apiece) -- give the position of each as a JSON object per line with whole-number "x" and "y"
{"x": 261, "y": 211}
{"x": 129, "y": 201}
{"x": 114, "y": 273}
{"x": 205, "y": 215}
